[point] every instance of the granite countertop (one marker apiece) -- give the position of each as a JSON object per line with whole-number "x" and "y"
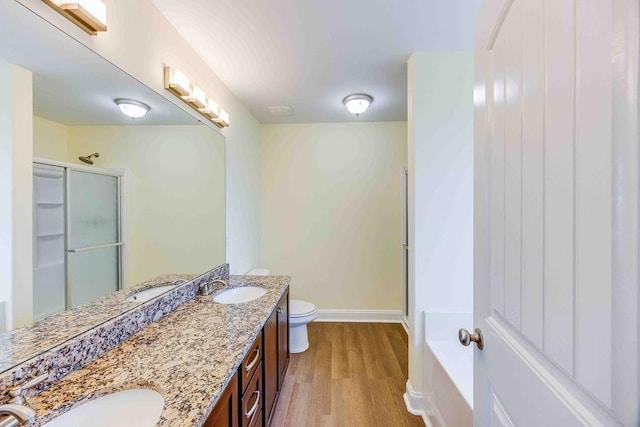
{"x": 24, "y": 343}
{"x": 189, "y": 356}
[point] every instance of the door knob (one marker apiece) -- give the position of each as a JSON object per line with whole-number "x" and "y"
{"x": 467, "y": 338}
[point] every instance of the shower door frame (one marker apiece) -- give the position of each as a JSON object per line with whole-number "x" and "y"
{"x": 120, "y": 175}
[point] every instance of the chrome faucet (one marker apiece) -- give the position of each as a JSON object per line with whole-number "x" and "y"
{"x": 17, "y": 392}
{"x": 207, "y": 288}
{"x": 12, "y": 414}
{"x": 18, "y": 412}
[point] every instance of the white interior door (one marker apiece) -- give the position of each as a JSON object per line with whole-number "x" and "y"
{"x": 556, "y": 213}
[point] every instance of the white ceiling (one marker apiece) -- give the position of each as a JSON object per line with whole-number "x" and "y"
{"x": 71, "y": 84}
{"x": 310, "y": 54}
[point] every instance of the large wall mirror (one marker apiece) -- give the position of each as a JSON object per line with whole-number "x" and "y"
{"x": 116, "y": 201}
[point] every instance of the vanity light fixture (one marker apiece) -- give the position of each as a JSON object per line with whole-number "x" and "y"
{"x": 211, "y": 110}
{"x": 357, "y": 103}
{"x": 176, "y": 82}
{"x": 89, "y": 15}
{"x": 223, "y": 120}
{"x": 198, "y": 98}
{"x": 132, "y": 108}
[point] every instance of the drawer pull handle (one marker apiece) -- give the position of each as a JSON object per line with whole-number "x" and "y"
{"x": 254, "y": 361}
{"x": 254, "y": 408}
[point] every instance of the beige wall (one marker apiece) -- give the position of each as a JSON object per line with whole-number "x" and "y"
{"x": 174, "y": 195}
{"x": 49, "y": 139}
{"x": 141, "y": 41}
{"x": 16, "y": 183}
{"x": 331, "y": 211}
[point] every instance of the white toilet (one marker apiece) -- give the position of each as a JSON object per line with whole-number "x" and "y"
{"x": 301, "y": 313}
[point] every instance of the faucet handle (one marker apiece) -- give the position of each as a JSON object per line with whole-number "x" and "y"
{"x": 207, "y": 288}
{"x": 17, "y": 392}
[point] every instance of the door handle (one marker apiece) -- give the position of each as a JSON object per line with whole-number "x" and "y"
{"x": 467, "y": 338}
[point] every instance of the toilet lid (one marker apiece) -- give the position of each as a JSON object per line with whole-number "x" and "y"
{"x": 300, "y": 308}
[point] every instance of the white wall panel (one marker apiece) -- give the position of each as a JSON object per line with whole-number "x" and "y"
{"x": 513, "y": 165}
{"x": 497, "y": 178}
{"x": 593, "y": 199}
{"x": 559, "y": 184}
{"x": 532, "y": 169}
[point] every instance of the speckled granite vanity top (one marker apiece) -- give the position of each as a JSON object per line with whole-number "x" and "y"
{"x": 24, "y": 343}
{"x": 188, "y": 355}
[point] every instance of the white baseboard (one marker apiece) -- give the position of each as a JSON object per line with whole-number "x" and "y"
{"x": 416, "y": 404}
{"x": 368, "y": 316}
{"x": 405, "y": 324}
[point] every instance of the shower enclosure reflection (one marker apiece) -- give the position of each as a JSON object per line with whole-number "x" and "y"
{"x": 139, "y": 206}
{"x": 77, "y": 236}
{"x": 87, "y": 159}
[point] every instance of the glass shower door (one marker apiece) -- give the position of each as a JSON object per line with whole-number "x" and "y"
{"x": 94, "y": 237}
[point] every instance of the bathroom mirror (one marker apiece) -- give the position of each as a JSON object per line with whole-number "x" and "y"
{"x": 117, "y": 202}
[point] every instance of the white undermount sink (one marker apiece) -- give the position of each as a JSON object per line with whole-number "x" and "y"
{"x": 129, "y": 408}
{"x": 239, "y": 295}
{"x": 147, "y": 294}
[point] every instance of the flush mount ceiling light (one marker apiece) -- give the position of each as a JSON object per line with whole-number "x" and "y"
{"x": 90, "y": 15}
{"x": 131, "y": 108}
{"x": 357, "y": 103}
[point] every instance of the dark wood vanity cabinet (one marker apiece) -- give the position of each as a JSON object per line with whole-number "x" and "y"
{"x": 226, "y": 412}
{"x": 250, "y": 398}
{"x": 252, "y": 401}
{"x": 283, "y": 338}
{"x": 270, "y": 345}
{"x": 251, "y": 363}
{"x": 276, "y": 355}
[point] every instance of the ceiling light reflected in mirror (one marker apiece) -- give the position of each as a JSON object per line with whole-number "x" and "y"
{"x": 357, "y": 103}
{"x": 132, "y": 108}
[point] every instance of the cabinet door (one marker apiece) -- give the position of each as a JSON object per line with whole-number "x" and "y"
{"x": 283, "y": 338}
{"x": 270, "y": 346}
{"x": 225, "y": 413}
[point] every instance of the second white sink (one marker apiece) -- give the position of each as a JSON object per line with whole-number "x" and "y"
{"x": 239, "y": 295}
{"x": 129, "y": 408}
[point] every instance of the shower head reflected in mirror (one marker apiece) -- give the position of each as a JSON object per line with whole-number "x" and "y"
{"x": 87, "y": 159}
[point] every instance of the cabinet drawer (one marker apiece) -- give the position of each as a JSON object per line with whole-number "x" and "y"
{"x": 251, "y": 405}
{"x": 250, "y": 363}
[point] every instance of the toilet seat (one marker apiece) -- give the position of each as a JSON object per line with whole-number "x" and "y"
{"x": 298, "y": 308}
